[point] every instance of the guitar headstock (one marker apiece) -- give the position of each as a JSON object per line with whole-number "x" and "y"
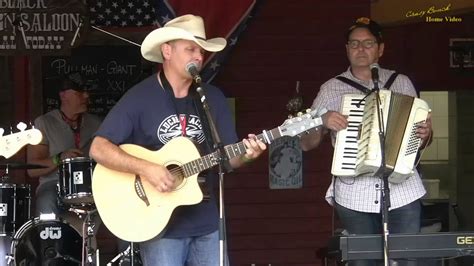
{"x": 11, "y": 144}
{"x": 303, "y": 122}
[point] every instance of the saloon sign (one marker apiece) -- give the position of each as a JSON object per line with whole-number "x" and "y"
{"x": 40, "y": 27}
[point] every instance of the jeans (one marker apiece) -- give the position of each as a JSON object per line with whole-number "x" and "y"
{"x": 189, "y": 251}
{"x": 406, "y": 219}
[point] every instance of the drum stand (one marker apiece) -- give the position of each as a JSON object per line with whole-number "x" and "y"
{"x": 88, "y": 234}
{"x": 129, "y": 252}
{"x": 5, "y": 176}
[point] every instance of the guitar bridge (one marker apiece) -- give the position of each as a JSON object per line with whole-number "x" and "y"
{"x": 140, "y": 190}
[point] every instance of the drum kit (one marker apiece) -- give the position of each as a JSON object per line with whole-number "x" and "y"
{"x": 49, "y": 239}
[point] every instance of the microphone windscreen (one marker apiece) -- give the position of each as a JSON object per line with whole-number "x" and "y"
{"x": 192, "y": 68}
{"x": 374, "y": 69}
{"x": 374, "y": 65}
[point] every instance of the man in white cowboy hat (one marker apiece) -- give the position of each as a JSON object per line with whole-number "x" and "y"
{"x": 159, "y": 109}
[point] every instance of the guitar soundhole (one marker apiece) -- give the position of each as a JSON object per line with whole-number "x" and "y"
{"x": 178, "y": 173}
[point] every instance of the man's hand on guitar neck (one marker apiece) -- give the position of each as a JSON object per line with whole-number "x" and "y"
{"x": 253, "y": 149}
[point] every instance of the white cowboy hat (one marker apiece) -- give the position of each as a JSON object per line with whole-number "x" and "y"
{"x": 187, "y": 27}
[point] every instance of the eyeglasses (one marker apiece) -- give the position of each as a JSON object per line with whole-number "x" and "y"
{"x": 354, "y": 44}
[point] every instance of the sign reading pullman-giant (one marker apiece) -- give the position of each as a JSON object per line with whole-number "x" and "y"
{"x": 41, "y": 27}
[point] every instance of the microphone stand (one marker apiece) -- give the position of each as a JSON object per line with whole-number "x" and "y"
{"x": 383, "y": 173}
{"x": 224, "y": 166}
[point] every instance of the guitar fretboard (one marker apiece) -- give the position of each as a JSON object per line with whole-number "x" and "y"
{"x": 232, "y": 150}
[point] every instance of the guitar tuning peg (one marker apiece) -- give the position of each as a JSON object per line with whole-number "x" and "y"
{"x": 290, "y": 116}
{"x": 21, "y": 126}
{"x": 1, "y": 131}
{"x": 300, "y": 114}
{"x": 308, "y": 110}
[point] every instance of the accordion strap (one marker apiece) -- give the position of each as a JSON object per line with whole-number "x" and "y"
{"x": 364, "y": 89}
{"x": 390, "y": 80}
{"x": 354, "y": 84}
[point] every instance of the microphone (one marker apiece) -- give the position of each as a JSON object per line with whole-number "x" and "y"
{"x": 374, "y": 69}
{"x": 193, "y": 69}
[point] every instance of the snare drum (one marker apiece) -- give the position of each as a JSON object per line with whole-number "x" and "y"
{"x": 15, "y": 204}
{"x": 47, "y": 242}
{"x": 75, "y": 181}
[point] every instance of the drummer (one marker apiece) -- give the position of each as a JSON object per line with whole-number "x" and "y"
{"x": 67, "y": 133}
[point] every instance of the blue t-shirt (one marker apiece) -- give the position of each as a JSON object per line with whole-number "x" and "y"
{"x": 147, "y": 115}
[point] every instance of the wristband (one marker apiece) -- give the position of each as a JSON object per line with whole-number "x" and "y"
{"x": 57, "y": 158}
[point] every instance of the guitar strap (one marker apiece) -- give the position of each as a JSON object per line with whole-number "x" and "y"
{"x": 181, "y": 115}
{"x": 364, "y": 89}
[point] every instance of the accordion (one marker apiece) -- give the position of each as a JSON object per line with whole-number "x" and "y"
{"x": 357, "y": 148}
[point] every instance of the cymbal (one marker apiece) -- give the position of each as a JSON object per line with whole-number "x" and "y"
{"x": 20, "y": 165}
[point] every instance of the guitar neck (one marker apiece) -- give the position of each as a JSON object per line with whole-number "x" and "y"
{"x": 232, "y": 150}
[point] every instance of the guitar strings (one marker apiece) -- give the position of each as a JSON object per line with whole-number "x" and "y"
{"x": 178, "y": 172}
